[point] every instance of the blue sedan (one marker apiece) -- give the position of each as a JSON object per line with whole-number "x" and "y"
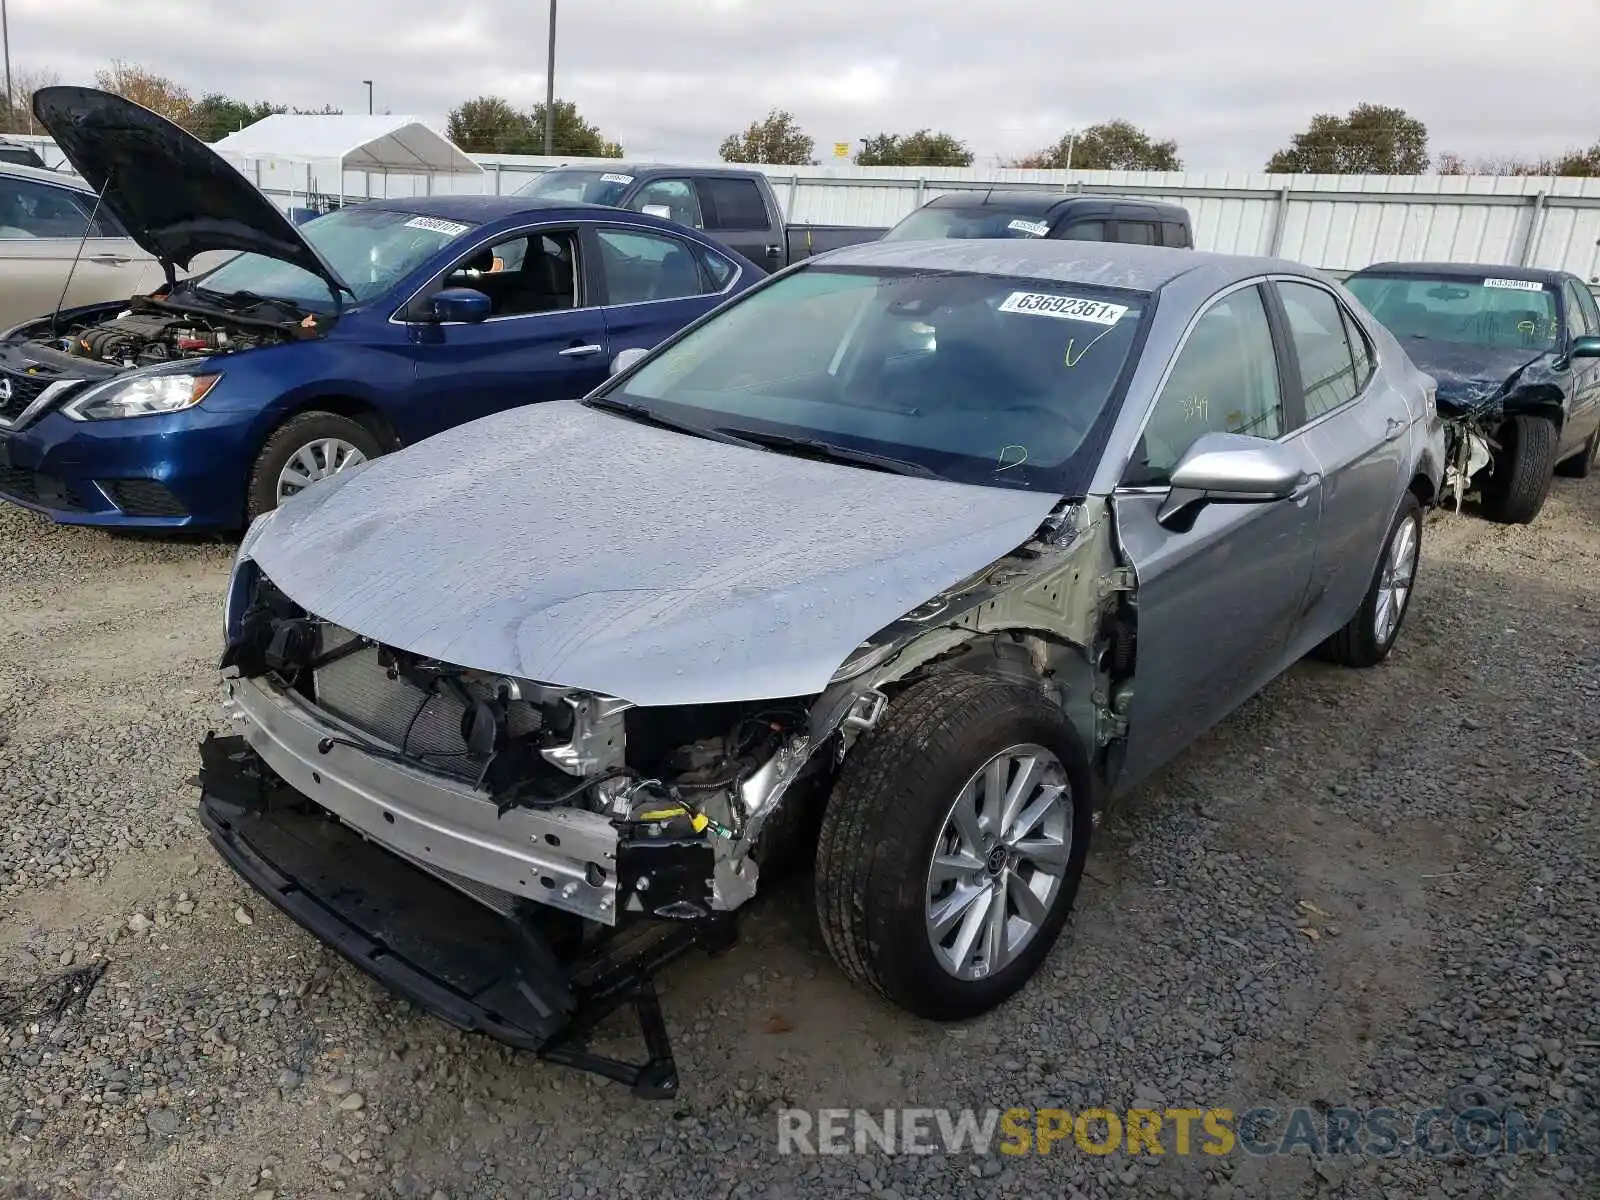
{"x": 320, "y": 346}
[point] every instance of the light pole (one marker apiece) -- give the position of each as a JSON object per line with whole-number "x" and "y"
{"x": 5, "y": 41}
{"x": 368, "y": 82}
{"x": 550, "y": 88}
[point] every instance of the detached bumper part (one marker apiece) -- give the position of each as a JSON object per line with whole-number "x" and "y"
{"x": 477, "y": 969}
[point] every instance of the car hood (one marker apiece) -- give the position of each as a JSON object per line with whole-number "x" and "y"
{"x": 564, "y": 545}
{"x": 1469, "y": 377}
{"x": 176, "y": 196}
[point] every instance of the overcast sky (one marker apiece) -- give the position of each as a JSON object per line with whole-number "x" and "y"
{"x": 1231, "y": 81}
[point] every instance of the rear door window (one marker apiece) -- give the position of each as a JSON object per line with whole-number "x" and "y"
{"x": 733, "y": 204}
{"x": 1084, "y": 231}
{"x": 1175, "y": 234}
{"x": 1136, "y": 233}
{"x": 39, "y": 210}
{"x": 1328, "y": 372}
{"x": 640, "y": 267}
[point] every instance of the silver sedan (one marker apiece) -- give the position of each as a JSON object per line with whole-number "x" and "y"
{"x": 941, "y": 544}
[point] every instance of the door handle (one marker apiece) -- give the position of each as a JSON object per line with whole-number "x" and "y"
{"x": 581, "y": 351}
{"x": 1393, "y": 429}
{"x": 110, "y": 260}
{"x": 774, "y": 251}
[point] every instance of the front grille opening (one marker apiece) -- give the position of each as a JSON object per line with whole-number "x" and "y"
{"x": 142, "y": 498}
{"x": 35, "y": 487}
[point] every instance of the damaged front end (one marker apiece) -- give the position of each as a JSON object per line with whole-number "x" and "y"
{"x": 520, "y": 857}
{"x": 1475, "y": 408}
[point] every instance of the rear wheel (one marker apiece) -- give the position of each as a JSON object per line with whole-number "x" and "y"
{"x": 953, "y": 845}
{"x": 303, "y": 450}
{"x": 1516, "y": 491}
{"x": 1371, "y": 634}
{"x": 1582, "y": 463}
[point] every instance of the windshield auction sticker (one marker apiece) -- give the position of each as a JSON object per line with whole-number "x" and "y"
{"x": 1516, "y": 285}
{"x": 1036, "y": 228}
{"x": 1066, "y": 308}
{"x": 435, "y": 225}
{"x": 624, "y": 180}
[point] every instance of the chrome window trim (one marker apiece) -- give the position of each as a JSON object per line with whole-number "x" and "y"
{"x": 738, "y": 274}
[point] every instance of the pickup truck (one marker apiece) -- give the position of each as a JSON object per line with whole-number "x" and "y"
{"x": 731, "y": 205}
{"x": 1013, "y": 213}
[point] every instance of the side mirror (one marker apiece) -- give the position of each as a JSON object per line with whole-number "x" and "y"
{"x": 466, "y": 306}
{"x": 1586, "y": 347}
{"x": 626, "y": 358}
{"x": 1229, "y": 468}
{"x": 657, "y": 210}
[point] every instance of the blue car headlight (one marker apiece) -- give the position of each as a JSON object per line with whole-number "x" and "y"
{"x": 140, "y": 395}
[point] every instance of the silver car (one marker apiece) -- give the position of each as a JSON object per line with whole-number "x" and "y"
{"x": 43, "y": 217}
{"x": 902, "y": 564}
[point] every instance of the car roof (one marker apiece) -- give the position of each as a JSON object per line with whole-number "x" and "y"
{"x": 59, "y": 178}
{"x": 1041, "y": 201}
{"x": 1453, "y": 270}
{"x": 1098, "y": 264}
{"x": 653, "y": 168}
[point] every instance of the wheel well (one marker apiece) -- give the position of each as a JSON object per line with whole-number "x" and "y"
{"x": 345, "y": 406}
{"x": 1539, "y": 400}
{"x": 1422, "y": 488}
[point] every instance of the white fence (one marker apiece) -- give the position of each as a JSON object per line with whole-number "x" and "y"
{"x": 1337, "y": 222}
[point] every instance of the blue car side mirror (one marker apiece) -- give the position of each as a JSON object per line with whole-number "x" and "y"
{"x": 466, "y": 306}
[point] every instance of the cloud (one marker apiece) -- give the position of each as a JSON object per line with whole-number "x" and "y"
{"x": 1230, "y": 80}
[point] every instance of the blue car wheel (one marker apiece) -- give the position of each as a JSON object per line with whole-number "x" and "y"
{"x": 304, "y": 449}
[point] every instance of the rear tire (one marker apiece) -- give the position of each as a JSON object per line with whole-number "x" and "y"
{"x": 315, "y": 433}
{"x": 894, "y": 866}
{"x": 1582, "y": 463}
{"x": 1516, "y": 491}
{"x": 1371, "y": 634}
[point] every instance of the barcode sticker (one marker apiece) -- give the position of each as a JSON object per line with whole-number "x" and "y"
{"x": 1066, "y": 308}
{"x": 1516, "y": 285}
{"x": 436, "y": 225}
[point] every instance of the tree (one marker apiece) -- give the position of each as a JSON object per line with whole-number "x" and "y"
{"x": 1578, "y": 163}
{"x": 1373, "y": 140}
{"x": 573, "y": 135}
{"x": 215, "y": 116}
{"x": 490, "y": 125}
{"x": 773, "y": 139}
{"x": 1110, "y": 146}
{"x": 24, "y": 83}
{"x": 920, "y": 149}
{"x": 156, "y": 92}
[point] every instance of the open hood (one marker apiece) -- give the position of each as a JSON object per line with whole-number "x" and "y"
{"x": 560, "y": 544}
{"x": 175, "y": 196}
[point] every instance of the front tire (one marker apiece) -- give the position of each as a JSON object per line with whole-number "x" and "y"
{"x": 306, "y": 448}
{"x": 1371, "y": 634}
{"x": 953, "y": 845}
{"x": 1515, "y": 493}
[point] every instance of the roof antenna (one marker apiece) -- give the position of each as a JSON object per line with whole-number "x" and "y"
{"x": 55, "y": 317}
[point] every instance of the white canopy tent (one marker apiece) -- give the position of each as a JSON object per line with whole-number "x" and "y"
{"x": 309, "y": 154}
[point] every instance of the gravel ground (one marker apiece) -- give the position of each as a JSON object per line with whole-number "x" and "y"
{"x": 1366, "y": 889}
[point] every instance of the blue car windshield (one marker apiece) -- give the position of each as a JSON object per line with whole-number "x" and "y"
{"x": 978, "y": 379}
{"x": 372, "y": 249}
{"x": 578, "y": 187}
{"x": 1516, "y": 314}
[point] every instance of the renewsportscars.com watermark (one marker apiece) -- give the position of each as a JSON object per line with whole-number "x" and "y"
{"x": 1215, "y": 1132}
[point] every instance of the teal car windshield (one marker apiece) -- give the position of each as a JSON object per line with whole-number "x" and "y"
{"x": 974, "y": 378}
{"x": 1489, "y": 312}
{"x": 370, "y": 248}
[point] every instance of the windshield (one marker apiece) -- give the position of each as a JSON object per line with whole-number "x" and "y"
{"x": 938, "y": 224}
{"x": 975, "y": 378}
{"x": 372, "y": 249}
{"x": 578, "y": 187}
{"x": 1494, "y": 313}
